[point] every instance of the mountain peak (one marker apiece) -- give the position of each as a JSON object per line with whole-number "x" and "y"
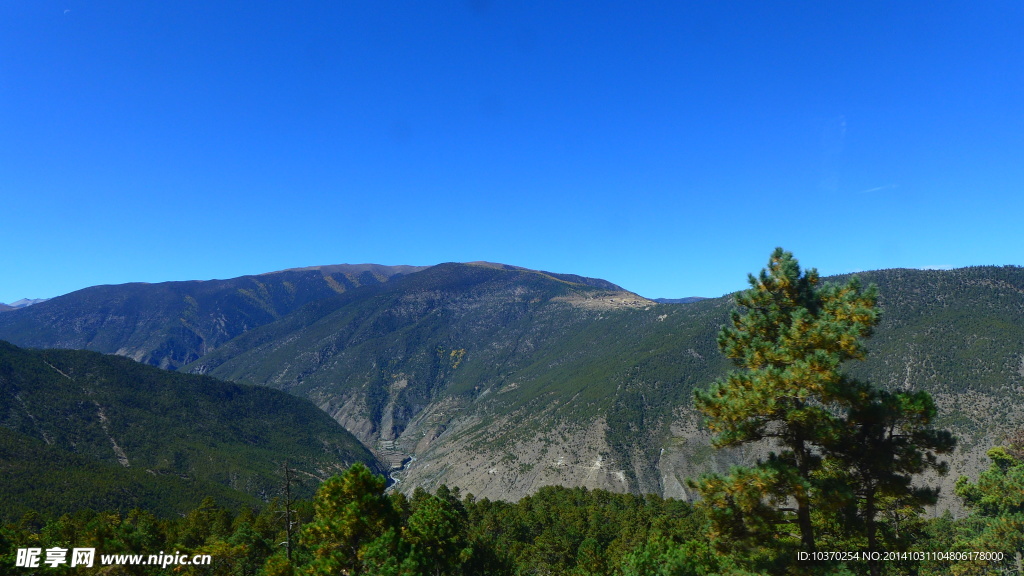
{"x": 571, "y": 278}
{"x": 24, "y": 302}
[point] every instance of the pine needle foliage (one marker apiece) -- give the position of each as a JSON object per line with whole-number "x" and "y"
{"x": 789, "y": 345}
{"x": 845, "y": 453}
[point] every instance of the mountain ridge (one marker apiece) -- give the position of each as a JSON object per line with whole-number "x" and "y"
{"x": 686, "y": 300}
{"x": 377, "y": 269}
{"x": 169, "y": 324}
{"x": 23, "y": 303}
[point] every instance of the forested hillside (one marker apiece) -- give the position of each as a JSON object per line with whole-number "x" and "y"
{"x": 81, "y": 429}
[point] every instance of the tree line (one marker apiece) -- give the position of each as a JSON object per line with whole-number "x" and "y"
{"x": 354, "y": 526}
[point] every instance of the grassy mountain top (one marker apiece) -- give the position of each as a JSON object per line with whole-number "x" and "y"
{"x": 110, "y": 411}
{"x": 380, "y": 271}
{"x": 571, "y": 278}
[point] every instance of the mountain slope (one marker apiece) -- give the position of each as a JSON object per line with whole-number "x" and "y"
{"x": 173, "y": 323}
{"x": 114, "y": 411}
{"x": 502, "y": 381}
{"x": 391, "y": 349}
{"x": 37, "y": 477}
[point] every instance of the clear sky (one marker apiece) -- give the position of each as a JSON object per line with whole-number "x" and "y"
{"x": 664, "y": 146}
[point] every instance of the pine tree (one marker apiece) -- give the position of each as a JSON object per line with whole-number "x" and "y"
{"x": 352, "y": 511}
{"x": 846, "y": 451}
{"x": 887, "y": 438}
{"x": 997, "y": 501}
{"x": 436, "y": 531}
{"x": 789, "y": 345}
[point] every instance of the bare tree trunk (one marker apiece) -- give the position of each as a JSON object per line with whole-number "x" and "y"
{"x": 869, "y": 519}
{"x": 288, "y": 509}
{"x": 803, "y": 504}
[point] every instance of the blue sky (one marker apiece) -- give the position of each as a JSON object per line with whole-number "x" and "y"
{"x": 667, "y": 147}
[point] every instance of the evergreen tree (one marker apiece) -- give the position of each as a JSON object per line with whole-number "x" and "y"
{"x": 887, "y": 439}
{"x": 790, "y": 344}
{"x": 436, "y": 531}
{"x": 846, "y": 452}
{"x": 997, "y": 500}
{"x": 351, "y": 512}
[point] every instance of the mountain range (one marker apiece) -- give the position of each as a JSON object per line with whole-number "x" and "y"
{"x": 687, "y": 300}
{"x": 500, "y": 379}
{"x": 173, "y": 323}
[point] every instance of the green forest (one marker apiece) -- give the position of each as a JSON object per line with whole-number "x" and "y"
{"x": 354, "y": 526}
{"x": 844, "y": 489}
